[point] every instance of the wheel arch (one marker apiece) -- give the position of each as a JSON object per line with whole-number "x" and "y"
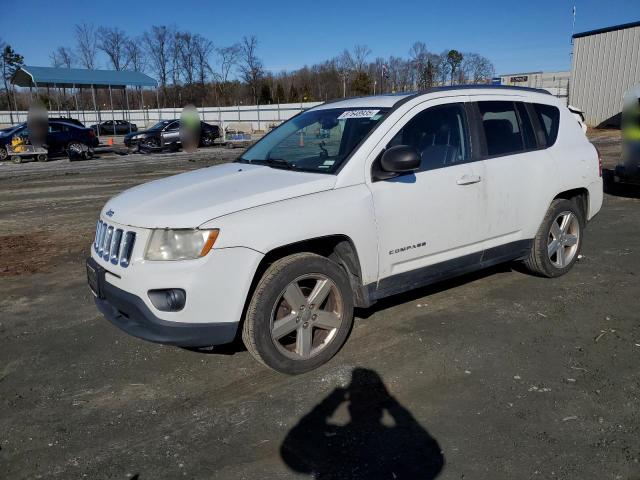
{"x": 338, "y": 248}
{"x": 578, "y": 195}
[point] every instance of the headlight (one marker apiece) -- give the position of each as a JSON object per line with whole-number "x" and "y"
{"x": 137, "y": 137}
{"x": 180, "y": 244}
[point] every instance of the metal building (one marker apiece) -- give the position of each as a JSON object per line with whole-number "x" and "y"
{"x": 556, "y": 83}
{"x": 606, "y": 64}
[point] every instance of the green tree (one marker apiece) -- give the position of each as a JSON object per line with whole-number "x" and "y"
{"x": 454, "y": 59}
{"x": 293, "y": 94}
{"x": 430, "y": 74}
{"x": 265, "y": 94}
{"x": 306, "y": 93}
{"x": 361, "y": 84}
{"x": 11, "y": 62}
{"x": 280, "y": 95}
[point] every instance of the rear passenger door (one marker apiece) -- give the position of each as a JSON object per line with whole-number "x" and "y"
{"x": 57, "y": 137}
{"x": 516, "y": 170}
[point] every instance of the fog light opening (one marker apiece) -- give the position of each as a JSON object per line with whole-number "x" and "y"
{"x": 168, "y": 299}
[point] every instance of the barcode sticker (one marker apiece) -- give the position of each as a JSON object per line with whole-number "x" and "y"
{"x": 357, "y": 114}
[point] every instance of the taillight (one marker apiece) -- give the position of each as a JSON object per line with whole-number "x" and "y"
{"x": 92, "y": 133}
{"x": 599, "y": 161}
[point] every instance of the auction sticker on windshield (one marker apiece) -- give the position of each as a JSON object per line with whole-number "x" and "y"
{"x": 357, "y": 114}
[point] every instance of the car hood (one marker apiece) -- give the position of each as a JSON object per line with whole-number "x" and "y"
{"x": 190, "y": 199}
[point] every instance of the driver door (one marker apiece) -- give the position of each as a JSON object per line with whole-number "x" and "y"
{"x": 429, "y": 220}
{"x": 171, "y": 133}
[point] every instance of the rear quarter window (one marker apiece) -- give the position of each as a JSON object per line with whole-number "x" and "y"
{"x": 549, "y": 118}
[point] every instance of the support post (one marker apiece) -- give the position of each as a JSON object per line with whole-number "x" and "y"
{"x": 126, "y": 97}
{"x": 158, "y": 102}
{"x": 144, "y": 115}
{"x": 95, "y": 110}
{"x": 113, "y": 117}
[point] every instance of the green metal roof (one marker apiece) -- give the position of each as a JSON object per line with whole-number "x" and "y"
{"x": 29, "y": 76}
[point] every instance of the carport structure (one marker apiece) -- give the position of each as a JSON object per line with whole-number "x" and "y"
{"x": 77, "y": 78}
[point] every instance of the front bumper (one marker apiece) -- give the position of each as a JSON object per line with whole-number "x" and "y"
{"x": 130, "y": 313}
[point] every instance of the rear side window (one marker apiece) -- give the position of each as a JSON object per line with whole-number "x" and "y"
{"x": 502, "y": 128}
{"x": 549, "y": 118}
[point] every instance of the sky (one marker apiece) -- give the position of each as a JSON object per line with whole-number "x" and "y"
{"x": 517, "y": 36}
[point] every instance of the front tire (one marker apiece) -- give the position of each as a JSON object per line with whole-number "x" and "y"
{"x": 300, "y": 314}
{"x": 559, "y": 240}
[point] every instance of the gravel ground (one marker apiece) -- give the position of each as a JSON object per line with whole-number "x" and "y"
{"x": 492, "y": 375}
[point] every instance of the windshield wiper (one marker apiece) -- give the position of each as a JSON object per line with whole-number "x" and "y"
{"x": 270, "y": 162}
{"x": 278, "y": 163}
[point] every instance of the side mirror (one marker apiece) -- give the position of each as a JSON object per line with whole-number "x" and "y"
{"x": 400, "y": 159}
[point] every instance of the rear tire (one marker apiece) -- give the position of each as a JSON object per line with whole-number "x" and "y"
{"x": 558, "y": 242}
{"x": 16, "y": 159}
{"x": 4, "y": 155}
{"x": 292, "y": 338}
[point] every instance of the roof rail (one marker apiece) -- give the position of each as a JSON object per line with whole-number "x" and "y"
{"x": 485, "y": 86}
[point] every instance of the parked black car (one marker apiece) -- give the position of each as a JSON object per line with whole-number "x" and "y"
{"x": 61, "y": 137}
{"x": 69, "y": 120}
{"x": 166, "y": 134}
{"x": 114, "y": 127}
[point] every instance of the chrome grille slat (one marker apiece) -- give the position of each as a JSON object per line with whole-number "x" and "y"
{"x": 127, "y": 249}
{"x": 114, "y": 254}
{"x": 107, "y": 243}
{"x": 114, "y": 245}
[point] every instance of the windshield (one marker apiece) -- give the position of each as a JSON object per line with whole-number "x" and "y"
{"x": 11, "y": 130}
{"x": 316, "y": 140}
{"x": 161, "y": 125}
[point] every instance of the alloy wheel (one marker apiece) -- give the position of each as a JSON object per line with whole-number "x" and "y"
{"x": 564, "y": 238}
{"x": 306, "y": 316}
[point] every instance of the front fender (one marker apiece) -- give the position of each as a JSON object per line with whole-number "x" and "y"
{"x": 345, "y": 211}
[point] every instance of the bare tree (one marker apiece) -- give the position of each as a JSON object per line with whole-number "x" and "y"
{"x": 251, "y": 68}
{"x": 476, "y": 68}
{"x": 344, "y": 64}
{"x": 185, "y": 50}
{"x": 157, "y": 43}
{"x": 228, "y": 59}
{"x": 174, "y": 58}
{"x": 62, "y": 57}
{"x": 135, "y": 55}
{"x": 86, "y": 45}
{"x": 112, "y": 42}
{"x": 360, "y": 54}
{"x": 202, "y": 49}
{"x": 419, "y": 56}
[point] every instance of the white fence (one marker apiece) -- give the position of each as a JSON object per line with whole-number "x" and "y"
{"x": 251, "y": 117}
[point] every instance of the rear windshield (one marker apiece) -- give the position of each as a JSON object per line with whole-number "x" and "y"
{"x": 549, "y": 118}
{"x": 316, "y": 140}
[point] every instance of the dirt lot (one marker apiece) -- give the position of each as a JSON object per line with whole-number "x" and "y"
{"x": 494, "y": 375}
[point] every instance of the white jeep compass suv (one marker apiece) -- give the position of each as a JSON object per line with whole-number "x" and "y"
{"x": 342, "y": 205}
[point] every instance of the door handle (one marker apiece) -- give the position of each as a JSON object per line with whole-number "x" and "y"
{"x": 469, "y": 179}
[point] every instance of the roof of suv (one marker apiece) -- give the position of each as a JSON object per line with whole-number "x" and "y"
{"x": 394, "y": 99}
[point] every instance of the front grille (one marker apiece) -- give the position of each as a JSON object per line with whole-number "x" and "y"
{"x": 114, "y": 244}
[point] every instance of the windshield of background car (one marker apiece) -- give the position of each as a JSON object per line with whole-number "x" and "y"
{"x": 13, "y": 130}
{"x": 160, "y": 125}
{"x": 316, "y": 140}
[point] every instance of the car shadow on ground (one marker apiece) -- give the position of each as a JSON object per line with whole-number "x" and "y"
{"x": 618, "y": 189}
{"x": 382, "y": 439}
{"x": 412, "y": 295}
{"x": 237, "y": 345}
